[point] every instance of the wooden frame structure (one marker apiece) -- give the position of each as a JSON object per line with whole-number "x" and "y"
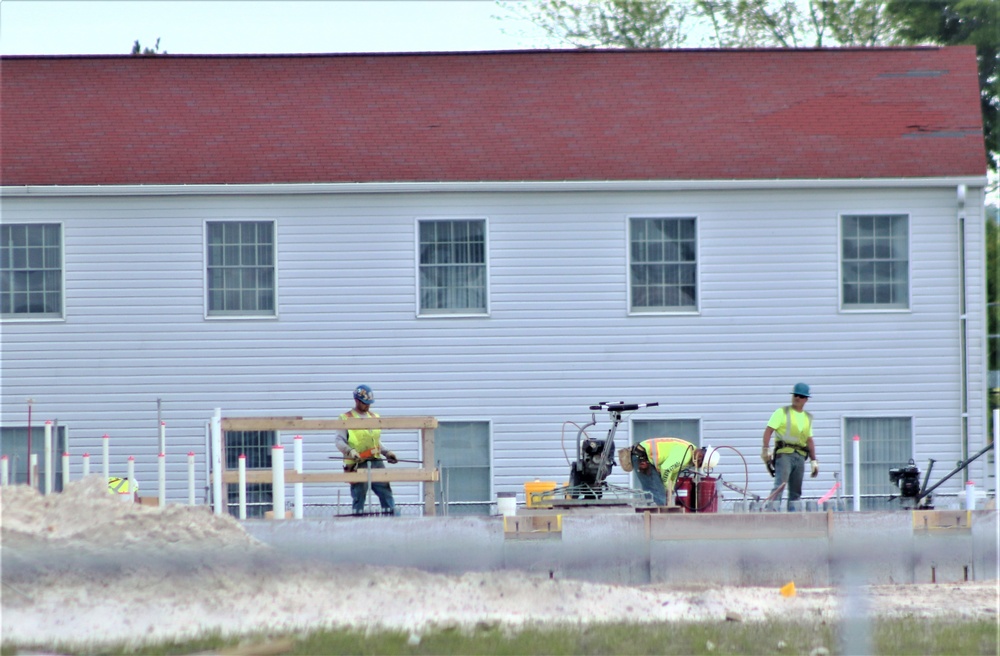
{"x": 426, "y": 473}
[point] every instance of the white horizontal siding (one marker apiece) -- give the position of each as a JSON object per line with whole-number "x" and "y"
{"x": 558, "y": 337}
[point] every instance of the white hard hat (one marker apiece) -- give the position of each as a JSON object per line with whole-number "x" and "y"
{"x": 711, "y": 458}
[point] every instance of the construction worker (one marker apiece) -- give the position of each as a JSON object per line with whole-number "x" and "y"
{"x": 658, "y": 461}
{"x": 121, "y": 487}
{"x": 792, "y": 426}
{"x": 362, "y": 449}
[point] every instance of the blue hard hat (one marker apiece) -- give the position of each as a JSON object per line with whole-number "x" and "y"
{"x": 364, "y": 394}
{"x": 801, "y": 389}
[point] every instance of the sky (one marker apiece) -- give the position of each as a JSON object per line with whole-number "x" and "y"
{"x": 91, "y": 27}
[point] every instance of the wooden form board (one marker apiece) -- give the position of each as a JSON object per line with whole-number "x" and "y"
{"x": 425, "y": 474}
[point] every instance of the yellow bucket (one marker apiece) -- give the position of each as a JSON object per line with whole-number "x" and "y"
{"x": 533, "y": 487}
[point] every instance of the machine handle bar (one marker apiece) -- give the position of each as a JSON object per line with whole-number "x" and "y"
{"x": 621, "y": 406}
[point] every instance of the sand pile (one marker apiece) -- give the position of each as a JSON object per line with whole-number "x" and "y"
{"x": 82, "y": 569}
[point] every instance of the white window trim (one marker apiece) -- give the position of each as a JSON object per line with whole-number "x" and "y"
{"x": 840, "y": 263}
{"x": 204, "y": 274}
{"x": 628, "y": 267}
{"x": 62, "y": 278}
{"x": 416, "y": 268}
{"x": 489, "y": 445}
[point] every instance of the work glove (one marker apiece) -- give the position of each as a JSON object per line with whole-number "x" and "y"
{"x": 815, "y": 468}
{"x": 765, "y": 455}
{"x": 390, "y": 457}
{"x": 353, "y": 453}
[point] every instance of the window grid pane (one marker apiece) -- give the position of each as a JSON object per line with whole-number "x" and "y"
{"x": 463, "y": 449}
{"x": 256, "y": 446}
{"x": 874, "y": 262}
{"x": 31, "y": 267}
{"x": 452, "y": 266}
{"x": 885, "y": 443}
{"x": 663, "y": 267}
{"x": 241, "y": 268}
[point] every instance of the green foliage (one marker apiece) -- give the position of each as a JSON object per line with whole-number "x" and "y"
{"x": 896, "y": 636}
{"x": 961, "y": 22}
{"x": 138, "y": 50}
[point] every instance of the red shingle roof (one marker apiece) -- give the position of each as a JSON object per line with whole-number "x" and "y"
{"x": 493, "y": 116}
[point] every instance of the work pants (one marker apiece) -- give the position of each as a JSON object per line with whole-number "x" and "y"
{"x": 789, "y": 468}
{"x": 359, "y": 491}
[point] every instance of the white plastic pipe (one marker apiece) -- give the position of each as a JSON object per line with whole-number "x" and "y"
{"x": 105, "y": 451}
{"x": 131, "y": 477}
{"x": 190, "y": 478}
{"x": 4, "y": 471}
{"x": 218, "y": 502}
{"x": 65, "y": 469}
{"x": 163, "y": 437}
{"x": 243, "y": 486}
{"x": 298, "y": 469}
{"x": 996, "y": 458}
{"x": 33, "y": 468}
{"x": 161, "y": 475}
{"x": 86, "y": 465}
{"x": 278, "y": 479}
{"x": 857, "y": 474}
{"x": 48, "y": 464}
{"x": 970, "y": 495}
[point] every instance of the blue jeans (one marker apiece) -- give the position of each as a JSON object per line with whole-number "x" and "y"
{"x": 650, "y": 482}
{"x": 789, "y": 468}
{"x": 359, "y": 491}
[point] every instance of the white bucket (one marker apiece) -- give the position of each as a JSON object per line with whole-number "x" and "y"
{"x": 507, "y": 503}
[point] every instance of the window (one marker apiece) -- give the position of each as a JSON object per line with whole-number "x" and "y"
{"x": 14, "y": 445}
{"x": 875, "y": 266}
{"x": 256, "y": 446}
{"x": 241, "y": 269}
{"x": 463, "y": 449}
{"x": 885, "y": 443}
{"x": 662, "y": 266}
{"x": 31, "y": 268}
{"x": 452, "y": 267}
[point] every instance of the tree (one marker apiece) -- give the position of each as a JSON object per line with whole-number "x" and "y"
{"x": 961, "y": 22}
{"x": 138, "y": 50}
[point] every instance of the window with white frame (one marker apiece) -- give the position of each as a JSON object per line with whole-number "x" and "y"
{"x": 256, "y": 446}
{"x": 463, "y": 449}
{"x": 452, "y": 266}
{"x": 240, "y": 268}
{"x": 663, "y": 264}
{"x": 884, "y": 443}
{"x": 14, "y": 444}
{"x": 875, "y": 262}
{"x": 31, "y": 270}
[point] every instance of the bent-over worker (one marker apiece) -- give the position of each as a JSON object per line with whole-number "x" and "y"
{"x": 362, "y": 449}
{"x": 658, "y": 461}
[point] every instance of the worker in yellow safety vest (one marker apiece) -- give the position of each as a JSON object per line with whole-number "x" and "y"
{"x": 121, "y": 487}
{"x": 362, "y": 449}
{"x": 792, "y": 427}
{"x": 658, "y": 461}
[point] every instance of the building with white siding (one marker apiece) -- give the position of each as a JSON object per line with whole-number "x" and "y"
{"x": 498, "y": 240}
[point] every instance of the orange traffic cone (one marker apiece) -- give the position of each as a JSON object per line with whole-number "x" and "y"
{"x": 788, "y": 590}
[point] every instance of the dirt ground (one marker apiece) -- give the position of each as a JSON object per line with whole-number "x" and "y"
{"x": 82, "y": 569}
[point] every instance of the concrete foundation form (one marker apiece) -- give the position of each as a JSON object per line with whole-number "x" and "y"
{"x": 756, "y": 549}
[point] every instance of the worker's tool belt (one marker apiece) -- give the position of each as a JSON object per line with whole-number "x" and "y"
{"x": 801, "y": 450}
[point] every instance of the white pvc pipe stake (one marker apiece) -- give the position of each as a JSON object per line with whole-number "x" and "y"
{"x": 33, "y": 467}
{"x": 163, "y": 437}
{"x": 243, "y": 486}
{"x": 298, "y": 470}
{"x": 190, "y": 478}
{"x": 996, "y": 458}
{"x": 162, "y": 476}
{"x": 278, "y": 478}
{"x": 86, "y": 465}
{"x": 65, "y": 470}
{"x": 970, "y": 495}
{"x": 857, "y": 474}
{"x": 4, "y": 471}
{"x": 105, "y": 451}
{"x": 50, "y": 480}
{"x": 218, "y": 503}
{"x": 131, "y": 477}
